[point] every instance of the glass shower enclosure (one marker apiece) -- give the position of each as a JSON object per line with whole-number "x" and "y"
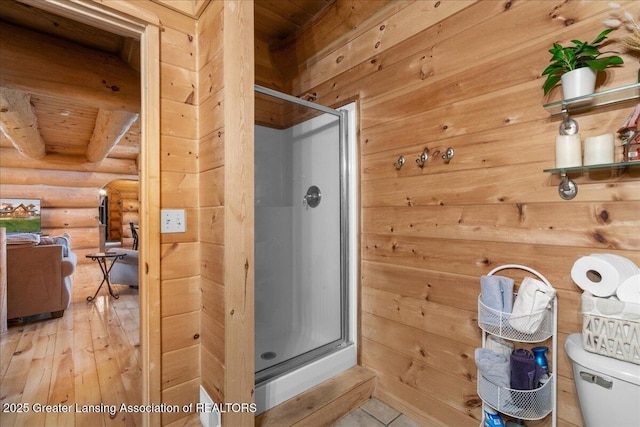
{"x": 301, "y": 224}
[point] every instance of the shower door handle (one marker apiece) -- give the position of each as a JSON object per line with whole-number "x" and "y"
{"x": 312, "y": 198}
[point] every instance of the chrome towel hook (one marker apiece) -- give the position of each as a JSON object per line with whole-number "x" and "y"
{"x": 448, "y": 155}
{"x": 422, "y": 160}
{"x": 399, "y": 163}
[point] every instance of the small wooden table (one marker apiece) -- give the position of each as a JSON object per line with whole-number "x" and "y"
{"x": 101, "y": 258}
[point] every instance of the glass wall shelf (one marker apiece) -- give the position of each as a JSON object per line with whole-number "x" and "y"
{"x": 569, "y": 189}
{"x": 610, "y": 166}
{"x": 598, "y": 99}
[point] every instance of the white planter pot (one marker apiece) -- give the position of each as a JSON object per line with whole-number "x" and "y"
{"x": 579, "y": 82}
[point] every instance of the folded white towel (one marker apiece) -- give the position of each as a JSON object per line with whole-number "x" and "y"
{"x": 499, "y": 345}
{"x": 529, "y": 307}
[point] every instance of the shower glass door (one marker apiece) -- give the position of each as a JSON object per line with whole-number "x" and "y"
{"x": 300, "y": 232}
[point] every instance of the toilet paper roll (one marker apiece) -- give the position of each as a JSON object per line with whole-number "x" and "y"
{"x": 599, "y": 149}
{"x": 602, "y": 274}
{"x": 629, "y": 290}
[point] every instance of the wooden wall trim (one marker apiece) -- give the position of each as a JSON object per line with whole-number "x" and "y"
{"x": 149, "y": 260}
{"x": 238, "y": 215}
{"x": 3, "y": 280}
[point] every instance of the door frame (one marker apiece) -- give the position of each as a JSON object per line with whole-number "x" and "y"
{"x": 129, "y": 20}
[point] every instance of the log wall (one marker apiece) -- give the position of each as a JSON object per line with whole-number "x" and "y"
{"x": 69, "y": 194}
{"x": 471, "y": 82}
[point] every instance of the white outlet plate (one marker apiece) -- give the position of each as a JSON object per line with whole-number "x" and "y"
{"x": 172, "y": 221}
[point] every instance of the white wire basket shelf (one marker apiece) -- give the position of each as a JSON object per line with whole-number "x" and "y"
{"x": 523, "y": 404}
{"x": 535, "y": 327}
{"x": 505, "y": 325}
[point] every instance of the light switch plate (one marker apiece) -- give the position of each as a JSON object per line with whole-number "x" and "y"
{"x": 172, "y": 221}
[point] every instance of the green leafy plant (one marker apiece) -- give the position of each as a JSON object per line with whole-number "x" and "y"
{"x": 580, "y": 55}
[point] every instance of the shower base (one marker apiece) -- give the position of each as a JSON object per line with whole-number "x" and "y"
{"x": 276, "y": 346}
{"x": 277, "y": 390}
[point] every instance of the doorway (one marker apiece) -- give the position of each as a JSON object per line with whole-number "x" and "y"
{"x": 119, "y": 214}
{"x": 128, "y": 20}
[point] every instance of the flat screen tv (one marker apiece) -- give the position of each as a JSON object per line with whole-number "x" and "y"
{"x": 20, "y": 215}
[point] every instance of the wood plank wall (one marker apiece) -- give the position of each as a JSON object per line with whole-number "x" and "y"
{"x": 472, "y": 82}
{"x": 226, "y": 202}
{"x": 212, "y": 197}
{"x": 180, "y": 252}
{"x": 238, "y": 61}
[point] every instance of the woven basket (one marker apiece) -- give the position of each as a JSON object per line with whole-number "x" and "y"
{"x": 615, "y": 334}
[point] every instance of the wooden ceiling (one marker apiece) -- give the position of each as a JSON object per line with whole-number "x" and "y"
{"x": 275, "y": 20}
{"x": 69, "y": 111}
{"x": 78, "y": 85}
{"x": 48, "y": 69}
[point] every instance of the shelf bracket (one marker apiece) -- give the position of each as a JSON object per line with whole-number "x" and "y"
{"x": 567, "y": 188}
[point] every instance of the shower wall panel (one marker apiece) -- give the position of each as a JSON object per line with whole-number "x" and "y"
{"x": 297, "y": 283}
{"x": 273, "y": 232}
{"x": 316, "y": 231}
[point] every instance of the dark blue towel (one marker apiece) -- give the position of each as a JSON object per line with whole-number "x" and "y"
{"x": 525, "y": 372}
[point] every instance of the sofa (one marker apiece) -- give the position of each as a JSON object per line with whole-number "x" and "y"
{"x": 39, "y": 279}
{"x": 125, "y": 270}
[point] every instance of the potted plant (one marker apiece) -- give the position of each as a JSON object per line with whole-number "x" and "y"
{"x": 576, "y": 66}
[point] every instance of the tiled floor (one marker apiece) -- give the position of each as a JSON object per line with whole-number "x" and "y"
{"x": 374, "y": 413}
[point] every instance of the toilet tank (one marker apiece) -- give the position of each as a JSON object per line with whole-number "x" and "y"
{"x": 608, "y": 389}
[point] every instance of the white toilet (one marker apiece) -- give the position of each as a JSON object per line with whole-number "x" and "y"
{"x": 608, "y": 389}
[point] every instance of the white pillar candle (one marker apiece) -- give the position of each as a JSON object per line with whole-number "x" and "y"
{"x": 568, "y": 151}
{"x": 599, "y": 149}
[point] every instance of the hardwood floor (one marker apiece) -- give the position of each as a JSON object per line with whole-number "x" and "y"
{"x": 87, "y": 362}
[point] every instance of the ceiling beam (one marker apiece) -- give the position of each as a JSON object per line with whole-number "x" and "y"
{"x": 46, "y": 65}
{"x": 110, "y": 128}
{"x": 19, "y": 124}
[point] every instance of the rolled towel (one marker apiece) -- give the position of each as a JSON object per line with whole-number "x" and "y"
{"x": 525, "y": 372}
{"x": 528, "y": 309}
{"x": 494, "y": 367}
{"x": 496, "y": 294}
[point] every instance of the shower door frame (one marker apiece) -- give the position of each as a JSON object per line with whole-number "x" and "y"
{"x": 300, "y": 360}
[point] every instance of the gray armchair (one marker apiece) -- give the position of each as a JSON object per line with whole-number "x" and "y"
{"x": 125, "y": 270}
